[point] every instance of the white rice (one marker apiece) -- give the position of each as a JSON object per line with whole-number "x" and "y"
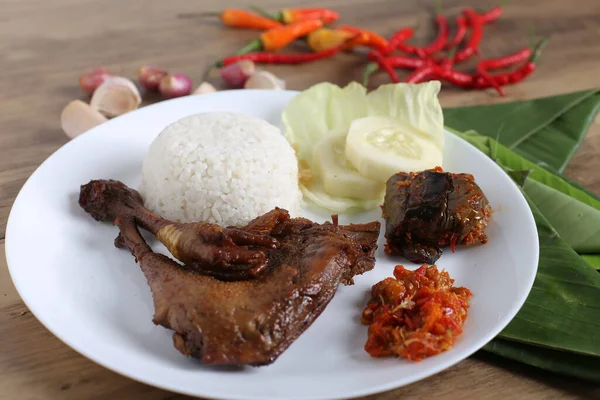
{"x": 220, "y": 167}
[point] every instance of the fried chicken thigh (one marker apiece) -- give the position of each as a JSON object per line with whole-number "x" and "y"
{"x": 243, "y": 295}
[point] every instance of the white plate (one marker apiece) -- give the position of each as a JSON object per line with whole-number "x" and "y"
{"x": 94, "y": 297}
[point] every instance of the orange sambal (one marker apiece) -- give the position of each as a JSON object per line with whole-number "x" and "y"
{"x": 416, "y": 314}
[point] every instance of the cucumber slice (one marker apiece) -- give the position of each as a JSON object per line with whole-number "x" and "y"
{"x": 379, "y": 147}
{"x": 339, "y": 177}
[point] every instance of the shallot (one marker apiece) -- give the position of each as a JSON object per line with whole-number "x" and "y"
{"x": 175, "y": 85}
{"x": 238, "y": 73}
{"x": 150, "y": 76}
{"x": 90, "y": 80}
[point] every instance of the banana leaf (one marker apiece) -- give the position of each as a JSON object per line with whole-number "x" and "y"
{"x": 562, "y": 310}
{"x": 561, "y": 362}
{"x": 558, "y": 199}
{"x": 592, "y": 259}
{"x": 560, "y": 320}
{"x": 546, "y": 130}
{"x": 574, "y": 220}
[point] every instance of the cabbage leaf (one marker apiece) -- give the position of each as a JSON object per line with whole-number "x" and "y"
{"x": 325, "y": 108}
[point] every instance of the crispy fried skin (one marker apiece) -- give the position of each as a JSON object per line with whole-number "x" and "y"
{"x": 204, "y": 247}
{"x": 248, "y": 321}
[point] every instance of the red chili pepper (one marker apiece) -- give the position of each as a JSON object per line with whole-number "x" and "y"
{"x": 410, "y": 49}
{"x": 400, "y": 36}
{"x": 518, "y": 75}
{"x": 448, "y": 61}
{"x": 503, "y": 79}
{"x": 366, "y": 38}
{"x": 441, "y": 38}
{"x": 483, "y": 73}
{"x": 291, "y": 15}
{"x": 279, "y": 37}
{"x": 239, "y": 19}
{"x": 385, "y": 65}
{"x": 422, "y": 74}
{"x": 501, "y": 62}
{"x": 406, "y": 62}
{"x": 506, "y": 61}
{"x": 491, "y": 15}
{"x": 461, "y": 31}
{"x": 522, "y": 72}
{"x": 457, "y": 78}
{"x": 273, "y": 58}
{"x": 472, "y": 45}
{"x": 437, "y": 45}
{"x": 400, "y": 61}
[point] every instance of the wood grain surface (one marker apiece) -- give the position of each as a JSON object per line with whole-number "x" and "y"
{"x": 45, "y": 45}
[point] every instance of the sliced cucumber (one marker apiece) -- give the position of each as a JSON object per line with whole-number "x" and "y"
{"x": 378, "y": 147}
{"x": 339, "y": 177}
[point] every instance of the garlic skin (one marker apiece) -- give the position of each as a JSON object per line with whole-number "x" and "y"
{"x": 264, "y": 80}
{"x": 204, "y": 87}
{"x": 78, "y": 117}
{"x": 116, "y": 96}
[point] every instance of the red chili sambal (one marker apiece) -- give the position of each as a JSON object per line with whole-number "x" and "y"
{"x": 416, "y": 314}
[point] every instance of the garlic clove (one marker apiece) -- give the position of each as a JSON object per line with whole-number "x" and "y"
{"x": 78, "y": 117}
{"x": 116, "y": 96}
{"x": 204, "y": 87}
{"x": 264, "y": 80}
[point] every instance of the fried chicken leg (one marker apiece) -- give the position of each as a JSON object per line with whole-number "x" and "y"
{"x": 244, "y": 322}
{"x": 205, "y": 247}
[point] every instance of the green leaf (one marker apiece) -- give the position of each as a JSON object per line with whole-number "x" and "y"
{"x": 563, "y": 309}
{"x": 520, "y": 177}
{"x": 545, "y": 130}
{"x": 562, "y": 362}
{"x": 569, "y": 181}
{"x": 560, "y": 201}
{"x": 592, "y": 259}
{"x": 516, "y": 162}
{"x": 558, "y": 327}
{"x": 576, "y": 222}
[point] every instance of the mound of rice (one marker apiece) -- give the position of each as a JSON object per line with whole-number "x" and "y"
{"x": 220, "y": 167}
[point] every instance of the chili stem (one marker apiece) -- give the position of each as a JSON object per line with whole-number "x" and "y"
{"x": 370, "y": 69}
{"x": 209, "y": 14}
{"x": 255, "y": 45}
{"x": 385, "y": 65}
{"x": 538, "y": 49}
{"x": 452, "y": 52}
{"x": 260, "y": 11}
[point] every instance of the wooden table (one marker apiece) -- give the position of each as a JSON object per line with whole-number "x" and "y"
{"x": 46, "y": 45}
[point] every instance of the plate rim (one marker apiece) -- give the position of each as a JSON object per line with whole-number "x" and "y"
{"x": 139, "y": 376}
